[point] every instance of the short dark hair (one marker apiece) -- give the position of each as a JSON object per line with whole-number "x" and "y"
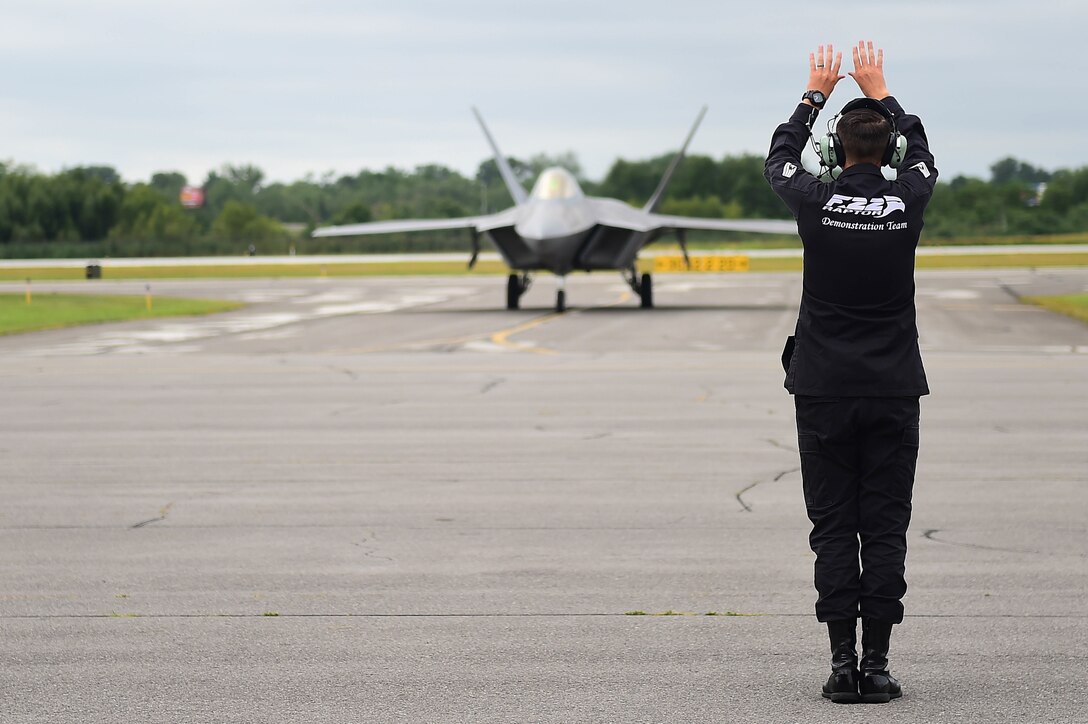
{"x": 864, "y": 134}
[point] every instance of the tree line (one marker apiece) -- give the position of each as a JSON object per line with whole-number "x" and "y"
{"x": 92, "y": 211}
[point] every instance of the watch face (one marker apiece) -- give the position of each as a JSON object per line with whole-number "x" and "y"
{"x": 818, "y": 97}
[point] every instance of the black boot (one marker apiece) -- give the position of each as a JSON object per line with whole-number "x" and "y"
{"x": 877, "y": 686}
{"x": 842, "y": 685}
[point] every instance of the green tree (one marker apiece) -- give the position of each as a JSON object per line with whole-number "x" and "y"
{"x": 168, "y": 183}
{"x": 239, "y": 222}
{"x": 246, "y": 178}
{"x": 356, "y": 213}
{"x": 147, "y": 215}
{"x": 1012, "y": 170}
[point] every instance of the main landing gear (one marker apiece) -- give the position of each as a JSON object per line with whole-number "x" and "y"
{"x": 643, "y": 287}
{"x": 516, "y": 285}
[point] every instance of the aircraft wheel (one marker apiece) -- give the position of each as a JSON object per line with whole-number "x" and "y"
{"x": 560, "y": 301}
{"x": 513, "y": 291}
{"x": 646, "y": 291}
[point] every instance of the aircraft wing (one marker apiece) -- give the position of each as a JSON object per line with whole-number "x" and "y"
{"x": 616, "y": 214}
{"x": 758, "y": 226}
{"x": 395, "y": 226}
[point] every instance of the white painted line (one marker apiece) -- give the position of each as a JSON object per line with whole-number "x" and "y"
{"x": 248, "y": 324}
{"x": 249, "y": 261}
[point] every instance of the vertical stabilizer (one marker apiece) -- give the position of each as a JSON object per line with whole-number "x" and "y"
{"x": 512, "y": 184}
{"x": 659, "y": 194}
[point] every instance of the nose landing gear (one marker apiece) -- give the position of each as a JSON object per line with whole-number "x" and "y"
{"x": 518, "y": 284}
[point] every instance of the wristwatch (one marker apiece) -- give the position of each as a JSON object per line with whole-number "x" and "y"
{"x": 817, "y": 98}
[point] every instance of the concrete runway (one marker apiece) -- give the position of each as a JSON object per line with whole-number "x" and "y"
{"x": 391, "y": 500}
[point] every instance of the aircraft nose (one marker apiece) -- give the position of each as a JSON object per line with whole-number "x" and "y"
{"x": 549, "y": 220}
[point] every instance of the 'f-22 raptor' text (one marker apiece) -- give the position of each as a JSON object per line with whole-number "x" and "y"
{"x": 878, "y": 207}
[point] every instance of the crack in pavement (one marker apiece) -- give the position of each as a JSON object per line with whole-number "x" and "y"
{"x": 780, "y": 446}
{"x": 931, "y": 534}
{"x": 163, "y": 512}
{"x": 492, "y": 385}
{"x": 778, "y": 476}
{"x": 344, "y": 371}
{"x": 744, "y": 504}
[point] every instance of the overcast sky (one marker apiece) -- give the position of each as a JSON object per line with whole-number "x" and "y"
{"x": 330, "y": 85}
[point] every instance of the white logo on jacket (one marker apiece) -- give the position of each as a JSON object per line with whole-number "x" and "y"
{"x": 878, "y": 207}
{"x": 921, "y": 166}
{"x": 789, "y": 169}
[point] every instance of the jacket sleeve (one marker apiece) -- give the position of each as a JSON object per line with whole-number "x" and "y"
{"x": 783, "y": 170}
{"x": 917, "y": 175}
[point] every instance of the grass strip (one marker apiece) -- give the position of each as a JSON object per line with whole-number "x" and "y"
{"x": 262, "y": 271}
{"x": 1073, "y": 305}
{"x": 53, "y": 311}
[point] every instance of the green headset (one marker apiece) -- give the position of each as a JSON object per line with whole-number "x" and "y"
{"x": 830, "y": 147}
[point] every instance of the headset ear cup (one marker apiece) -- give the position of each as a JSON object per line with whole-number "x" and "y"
{"x": 828, "y": 150}
{"x": 897, "y": 151}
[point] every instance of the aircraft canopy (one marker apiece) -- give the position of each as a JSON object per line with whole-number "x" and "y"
{"x": 556, "y": 183}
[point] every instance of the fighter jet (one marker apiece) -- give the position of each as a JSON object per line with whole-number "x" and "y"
{"x": 556, "y": 228}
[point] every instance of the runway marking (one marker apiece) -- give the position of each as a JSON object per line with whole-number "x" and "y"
{"x": 969, "y": 307}
{"x": 956, "y": 294}
{"x": 502, "y": 337}
{"x": 480, "y": 345}
{"x": 330, "y": 304}
{"x": 491, "y": 342}
{"x": 1042, "y": 349}
{"x": 140, "y": 341}
{"x": 331, "y": 297}
{"x": 256, "y": 296}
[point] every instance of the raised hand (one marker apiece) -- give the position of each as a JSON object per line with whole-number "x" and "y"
{"x": 823, "y": 69}
{"x": 869, "y": 71}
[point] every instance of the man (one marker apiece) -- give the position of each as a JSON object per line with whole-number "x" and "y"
{"x": 853, "y": 364}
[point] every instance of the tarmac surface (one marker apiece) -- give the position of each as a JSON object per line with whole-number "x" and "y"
{"x": 388, "y": 499}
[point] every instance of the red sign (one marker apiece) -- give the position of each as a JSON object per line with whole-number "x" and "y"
{"x": 192, "y": 197}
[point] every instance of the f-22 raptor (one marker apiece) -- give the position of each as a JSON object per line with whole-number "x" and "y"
{"x": 558, "y": 229}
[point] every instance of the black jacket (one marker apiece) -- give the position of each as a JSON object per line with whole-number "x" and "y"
{"x": 856, "y": 331}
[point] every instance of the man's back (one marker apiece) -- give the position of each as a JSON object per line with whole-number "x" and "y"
{"x": 873, "y": 265}
{"x": 856, "y": 332}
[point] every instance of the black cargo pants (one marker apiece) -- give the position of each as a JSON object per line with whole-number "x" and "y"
{"x": 858, "y": 457}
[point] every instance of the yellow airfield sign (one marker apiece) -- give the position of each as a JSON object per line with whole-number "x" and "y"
{"x": 708, "y": 263}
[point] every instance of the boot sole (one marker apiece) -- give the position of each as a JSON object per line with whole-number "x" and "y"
{"x": 842, "y": 697}
{"x": 878, "y": 698}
